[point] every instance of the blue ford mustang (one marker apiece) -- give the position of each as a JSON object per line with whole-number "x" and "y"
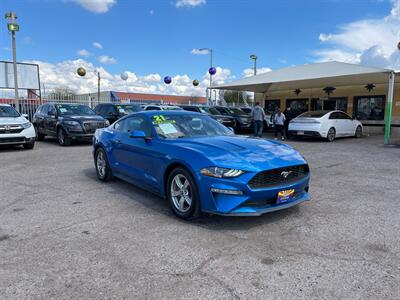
{"x": 199, "y": 165}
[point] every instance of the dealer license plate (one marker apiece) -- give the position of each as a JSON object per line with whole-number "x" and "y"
{"x": 300, "y": 132}
{"x": 285, "y": 196}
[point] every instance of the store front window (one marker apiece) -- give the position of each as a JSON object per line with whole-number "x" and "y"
{"x": 297, "y": 106}
{"x": 369, "y": 107}
{"x": 272, "y": 105}
{"x": 332, "y": 103}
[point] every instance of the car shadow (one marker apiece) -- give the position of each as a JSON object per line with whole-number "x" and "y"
{"x": 53, "y": 141}
{"x": 207, "y": 221}
{"x": 12, "y": 148}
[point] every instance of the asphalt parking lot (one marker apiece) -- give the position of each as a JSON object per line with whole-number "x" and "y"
{"x": 65, "y": 235}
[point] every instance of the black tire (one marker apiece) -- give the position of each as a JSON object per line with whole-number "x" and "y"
{"x": 62, "y": 137}
{"x": 29, "y": 145}
{"x": 191, "y": 210}
{"x": 39, "y": 136}
{"x": 330, "y": 137}
{"x": 358, "y": 132}
{"x": 102, "y": 174}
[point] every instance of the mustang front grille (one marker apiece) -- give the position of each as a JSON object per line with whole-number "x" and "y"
{"x": 278, "y": 176}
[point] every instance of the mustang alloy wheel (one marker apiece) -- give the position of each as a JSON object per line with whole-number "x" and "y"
{"x": 102, "y": 168}
{"x": 331, "y": 134}
{"x": 182, "y": 194}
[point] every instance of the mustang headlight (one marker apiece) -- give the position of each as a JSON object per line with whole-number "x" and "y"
{"x": 26, "y": 125}
{"x": 221, "y": 172}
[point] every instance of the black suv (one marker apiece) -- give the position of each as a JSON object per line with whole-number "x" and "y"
{"x": 114, "y": 111}
{"x": 67, "y": 122}
{"x": 243, "y": 120}
{"x": 228, "y": 121}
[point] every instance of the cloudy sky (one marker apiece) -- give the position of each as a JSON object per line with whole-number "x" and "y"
{"x": 155, "y": 38}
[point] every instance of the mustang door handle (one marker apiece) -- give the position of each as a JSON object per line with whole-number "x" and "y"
{"x": 116, "y": 141}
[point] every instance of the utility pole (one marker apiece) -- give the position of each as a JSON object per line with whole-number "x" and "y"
{"x": 13, "y": 27}
{"x": 211, "y": 71}
{"x": 98, "y": 87}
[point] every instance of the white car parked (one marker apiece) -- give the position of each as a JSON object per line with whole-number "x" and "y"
{"x": 15, "y": 129}
{"x": 325, "y": 124}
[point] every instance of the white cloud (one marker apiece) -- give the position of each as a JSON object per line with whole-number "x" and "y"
{"x": 96, "y": 6}
{"x": 200, "y": 51}
{"x": 189, "y": 3}
{"x": 151, "y": 11}
{"x": 250, "y": 71}
{"x": 97, "y": 45}
{"x": 83, "y": 53}
{"x": 63, "y": 74}
{"x": 107, "y": 60}
{"x": 325, "y": 37}
{"x": 370, "y": 41}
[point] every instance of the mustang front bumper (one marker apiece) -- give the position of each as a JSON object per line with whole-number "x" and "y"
{"x": 247, "y": 201}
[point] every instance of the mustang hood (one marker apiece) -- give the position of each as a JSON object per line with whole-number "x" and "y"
{"x": 243, "y": 152}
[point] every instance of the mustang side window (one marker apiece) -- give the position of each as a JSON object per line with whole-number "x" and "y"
{"x": 135, "y": 123}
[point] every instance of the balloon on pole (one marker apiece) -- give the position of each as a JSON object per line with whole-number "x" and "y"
{"x": 195, "y": 82}
{"x": 212, "y": 71}
{"x": 124, "y": 76}
{"x": 167, "y": 79}
{"x": 81, "y": 71}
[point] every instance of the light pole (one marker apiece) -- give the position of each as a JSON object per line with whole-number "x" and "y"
{"x": 98, "y": 86}
{"x": 211, "y": 65}
{"x": 254, "y": 57}
{"x": 13, "y": 27}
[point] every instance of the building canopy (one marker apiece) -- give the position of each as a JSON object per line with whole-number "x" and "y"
{"x": 310, "y": 76}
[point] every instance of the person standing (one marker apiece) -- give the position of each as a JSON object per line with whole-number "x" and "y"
{"x": 258, "y": 115}
{"x": 288, "y": 117}
{"x": 279, "y": 124}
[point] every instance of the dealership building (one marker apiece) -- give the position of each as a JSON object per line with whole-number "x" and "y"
{"x": 370, "y": 94}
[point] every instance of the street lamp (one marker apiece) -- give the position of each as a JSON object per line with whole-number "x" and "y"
{"x": 211, "y": 67}
{"x": 254, "y": 57}
{"x": 13, "y": 27}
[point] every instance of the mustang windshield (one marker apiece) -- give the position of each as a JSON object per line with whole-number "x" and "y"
{"x": 8, "y": 112}
{"x": 179, "y": 126}
{"x": 74, "y": 110}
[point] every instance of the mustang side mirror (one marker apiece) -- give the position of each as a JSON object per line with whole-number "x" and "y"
{"x": 137, "y": 134}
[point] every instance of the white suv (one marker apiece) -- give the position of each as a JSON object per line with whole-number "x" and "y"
{"x": 15, "y": 129}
